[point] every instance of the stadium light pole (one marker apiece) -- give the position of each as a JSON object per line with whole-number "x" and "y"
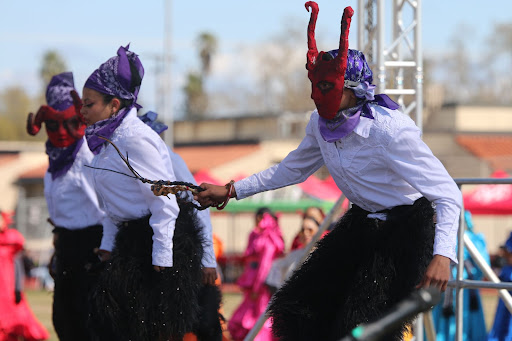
{"x": 167, "y": 82}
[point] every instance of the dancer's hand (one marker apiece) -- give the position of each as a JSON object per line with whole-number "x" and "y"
{"x": 437, "y": 274}
{"x": 159, "y": 268}
{"x": 209, "y": 276}
{"x": 212, "y": 195}
{"x": 103, "y": 255}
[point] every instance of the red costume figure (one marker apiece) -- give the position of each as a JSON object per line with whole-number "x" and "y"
{"x": 265, "y": 244}
{"x": 16, "y": 319}
{"x": 73, "y": 207}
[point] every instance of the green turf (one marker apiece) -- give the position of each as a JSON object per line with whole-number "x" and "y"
{"x": 41, "y": 304}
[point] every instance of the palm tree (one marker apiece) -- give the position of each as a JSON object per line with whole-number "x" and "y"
{"x": 207, "y": 45}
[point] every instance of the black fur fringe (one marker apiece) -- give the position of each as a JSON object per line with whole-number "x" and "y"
{"x": 209, "y": 326}
{"x": 134, "y": 302}
{"x": 357, "y": 272}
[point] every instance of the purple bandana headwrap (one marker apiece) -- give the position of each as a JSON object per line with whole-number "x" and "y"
{"x": 114, "y": 78}
{"x": 61, "y": 159}
{"x": 58, "y": 92}
{"x": 358, "y": 77}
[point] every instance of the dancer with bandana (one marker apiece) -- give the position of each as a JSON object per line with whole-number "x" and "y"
{"x": 387, "y": 243}
{"x": 72, "y": 204}
{"x": 155, "y": 251}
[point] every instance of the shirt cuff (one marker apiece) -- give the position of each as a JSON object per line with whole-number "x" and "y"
{"x": 208, "y": 260}
{"x": 448, "y": 252}
{"x": 109, "y": 235}
{"x": 162, "y": 257}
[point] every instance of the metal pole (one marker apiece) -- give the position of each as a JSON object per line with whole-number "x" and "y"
{"x": 488, "y": 272}
{"x": 459, "y": 293}
{"x": 419, "y": 66}
{"x": 167, "y": 85}
{"x": 430, "y": 329}
{"x": 381, "y": 19}
{"x": 418, "y": 328}
{"x": 360, "y": 26}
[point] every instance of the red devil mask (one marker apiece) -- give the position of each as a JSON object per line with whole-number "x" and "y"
{"x": 327, "y": 75}
{"x": 63, "y": 127}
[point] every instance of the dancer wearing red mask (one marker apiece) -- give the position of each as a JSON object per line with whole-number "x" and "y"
{"x": 72, "y": 204}
{"x": 387, "y": 243}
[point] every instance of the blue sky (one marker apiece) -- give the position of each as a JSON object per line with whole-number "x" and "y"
{"x": 86, "y": 33}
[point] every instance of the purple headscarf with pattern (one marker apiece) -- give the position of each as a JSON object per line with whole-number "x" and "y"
{"x": 114, "y": 78}
{"x": 358, "y": 77}
{"x": 58, "y": 96}
{"x": 58, "y": 92}
{"x": 358, "y": 69}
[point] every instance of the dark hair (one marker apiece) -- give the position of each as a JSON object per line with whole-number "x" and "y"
{"x": 135, "y": 82}
{"x": 318, "y": 208}
{"x": 136, "y": 78}
{"x": 263, "y": 210}
{"x": 312, "y": 219}
{"x": 124, "y": 102}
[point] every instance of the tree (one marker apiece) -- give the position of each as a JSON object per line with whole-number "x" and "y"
{"x": 499, "y": 61}
{"x": 283, "y": 74}
{"x": 207, "y": 45}
{"x": 501, "y": 39}
{"x": 53, "y": 64}
{"x": 196, "y": 101}
{"x": 15, "y": 105}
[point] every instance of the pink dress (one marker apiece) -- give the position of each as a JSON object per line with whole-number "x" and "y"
{"x": 265, "y": 244}
{"x": 16, "y": 320}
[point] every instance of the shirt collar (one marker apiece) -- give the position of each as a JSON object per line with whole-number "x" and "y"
{"x": 363, "y": 127}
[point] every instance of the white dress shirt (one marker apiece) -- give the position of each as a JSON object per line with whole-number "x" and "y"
{"x": 182, "y": 173}
{"x": 383, "y": 163}
{"x": 124, "y": 198}
{"x": 71, "y": 199}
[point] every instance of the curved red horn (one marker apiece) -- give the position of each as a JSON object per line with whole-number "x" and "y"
{"x": 78, "y": 104}
{"x": 345, "y": 27}
{"x": 34, "y": 124}
{"x": 312, "y": 50}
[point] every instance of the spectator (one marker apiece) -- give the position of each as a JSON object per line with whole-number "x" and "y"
{"x": 16, "y": 319}
{"x": 264, "y": 245}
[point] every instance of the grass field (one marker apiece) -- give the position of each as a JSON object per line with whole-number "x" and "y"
{"x": 41, "y": 304}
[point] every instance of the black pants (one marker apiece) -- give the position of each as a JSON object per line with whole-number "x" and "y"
{"x": 73, "y": 282}
{"x": 356, "y": 274}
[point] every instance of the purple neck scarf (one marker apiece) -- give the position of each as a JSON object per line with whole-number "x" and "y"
{"x": 104, "y": 128}
{"x": 61, "y": 159}
{"x": 346, "y": 120}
